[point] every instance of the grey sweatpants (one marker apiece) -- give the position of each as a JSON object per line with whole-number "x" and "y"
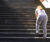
{"x": 43, "y": 20}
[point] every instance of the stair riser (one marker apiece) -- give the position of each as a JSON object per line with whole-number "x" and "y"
{"x": 21, "y": 35}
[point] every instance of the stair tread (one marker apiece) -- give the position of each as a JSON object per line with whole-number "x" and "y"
{"x": 23, "y": 29}
{"x": 20, "y": 33}
{"x": 26, "y": 37}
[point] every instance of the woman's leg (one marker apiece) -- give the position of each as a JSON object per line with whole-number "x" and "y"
{"x": 37, "y": 27}
{"x": 44, "y": 25}
{"x": 44, "y": 29}
{"x": 38, "y": 22}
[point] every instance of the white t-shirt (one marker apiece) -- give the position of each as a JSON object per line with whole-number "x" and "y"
{"x": 40, "y": 12}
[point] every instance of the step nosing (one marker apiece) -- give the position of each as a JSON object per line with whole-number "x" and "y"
{"x": 19, "y": 33}
{"x": 27, "y": 37}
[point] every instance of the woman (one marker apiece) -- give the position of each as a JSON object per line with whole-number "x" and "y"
{"x": 41, "y": 17}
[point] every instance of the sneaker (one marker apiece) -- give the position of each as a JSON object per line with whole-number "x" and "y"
{"x": 36, "y": 34}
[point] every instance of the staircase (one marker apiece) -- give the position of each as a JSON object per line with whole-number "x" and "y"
{"x": 17, "y": 23}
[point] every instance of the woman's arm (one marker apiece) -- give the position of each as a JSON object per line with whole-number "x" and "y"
{"x": 36, "y": 14}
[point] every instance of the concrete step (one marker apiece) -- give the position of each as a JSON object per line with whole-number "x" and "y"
{"x": 28, "y": 39}
{"x": 27, "y": 10}
{"x": 17, "y": 27}
{"x": 23, "y": 30}
{"x": 19, "y": 15}
{"x": 20, "y": 34}
{"x": 24, "y": 13}
{"x": 24, "y": 23}
{"x": 20, "y": 1}
{"x": 21, "y": 6}
{"x": 24, "y": 38}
